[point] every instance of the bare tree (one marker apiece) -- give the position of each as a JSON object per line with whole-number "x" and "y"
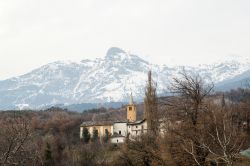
{"x": 15, "y": 134}
{"x": 191, "y": 90}
{"x": 189, "y": 104}
{"x": 223, "y": 140}
{"x": 144, "y": 150}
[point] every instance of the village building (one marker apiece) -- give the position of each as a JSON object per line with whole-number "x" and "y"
{"x": 101, "y": 127}
{"x": 119, "y": 130}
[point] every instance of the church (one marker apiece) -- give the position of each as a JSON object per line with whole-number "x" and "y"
{"x": 119, "y": 130}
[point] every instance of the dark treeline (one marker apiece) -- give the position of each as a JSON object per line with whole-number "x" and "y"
{"x": 237, "y": 95}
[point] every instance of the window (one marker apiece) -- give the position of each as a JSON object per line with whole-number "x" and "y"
{"x": 117, "y": 141}
{"x": 120, "y": 132}
{"x": 130, "y": 108}
{"x": 136, "y": 126}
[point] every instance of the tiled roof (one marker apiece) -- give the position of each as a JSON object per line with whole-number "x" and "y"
{"x": 99, "y": 123}
{"x": 124, "y": 121}
{"x": 136, "y": 122}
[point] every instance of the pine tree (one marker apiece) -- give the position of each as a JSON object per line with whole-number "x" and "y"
{"x": 95, "y": 135}
{"x": 86, "y": 135}
{"x": 49, "y": 161}
{"x": 223, "y": 102}
{"x": 151, "y": 106}
{"x": 106, "y": 137}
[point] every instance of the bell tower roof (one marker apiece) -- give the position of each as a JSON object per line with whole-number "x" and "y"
{"x": 131, "y": 101}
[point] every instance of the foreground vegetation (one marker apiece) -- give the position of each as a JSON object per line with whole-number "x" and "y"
{"x": 192, "y": 127}
{"x": 50, "y": 137}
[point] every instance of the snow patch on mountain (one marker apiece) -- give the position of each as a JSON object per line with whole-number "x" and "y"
{"x": 110, "y": 79}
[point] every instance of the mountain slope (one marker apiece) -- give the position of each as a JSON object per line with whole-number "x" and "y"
{"x": 110, "y": 79}
{"x": 239, "y": 81}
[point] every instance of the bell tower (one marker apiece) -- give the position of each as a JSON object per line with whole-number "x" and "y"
{"x": 131, "y": 110}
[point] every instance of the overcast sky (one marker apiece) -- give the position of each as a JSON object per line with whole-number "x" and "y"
{"x": 36, "y": 32}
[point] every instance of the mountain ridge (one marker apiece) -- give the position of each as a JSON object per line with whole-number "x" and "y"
{"x": 108, "y": 79}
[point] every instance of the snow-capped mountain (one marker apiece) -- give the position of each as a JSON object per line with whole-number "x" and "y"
{"x": 101, "y": 80}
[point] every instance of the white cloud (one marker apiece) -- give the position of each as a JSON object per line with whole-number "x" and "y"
{"x": 35, "y": 32}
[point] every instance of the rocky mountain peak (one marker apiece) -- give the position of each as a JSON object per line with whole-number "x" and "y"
{"x": 115, "y": 53}
{"x": 114, "y": 50}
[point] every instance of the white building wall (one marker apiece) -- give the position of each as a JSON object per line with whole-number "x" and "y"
{"x": 129, "y": 129}
{"x": 120, "y": 127}
{"x": 135, "y": 130}
{"x": 91, "y": 130}
{"x": 117, "y": 140}
{"x": 101, "y": 134}
{"x": 81, "y": 132}
{"x": 112, "y": 129}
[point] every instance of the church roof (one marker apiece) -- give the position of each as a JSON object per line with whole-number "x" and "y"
{"x": 131, "y": 101}
{"x": 99, "y": 123}
{"x": 124, "y": 121}
{"x": 137, "y": 122}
